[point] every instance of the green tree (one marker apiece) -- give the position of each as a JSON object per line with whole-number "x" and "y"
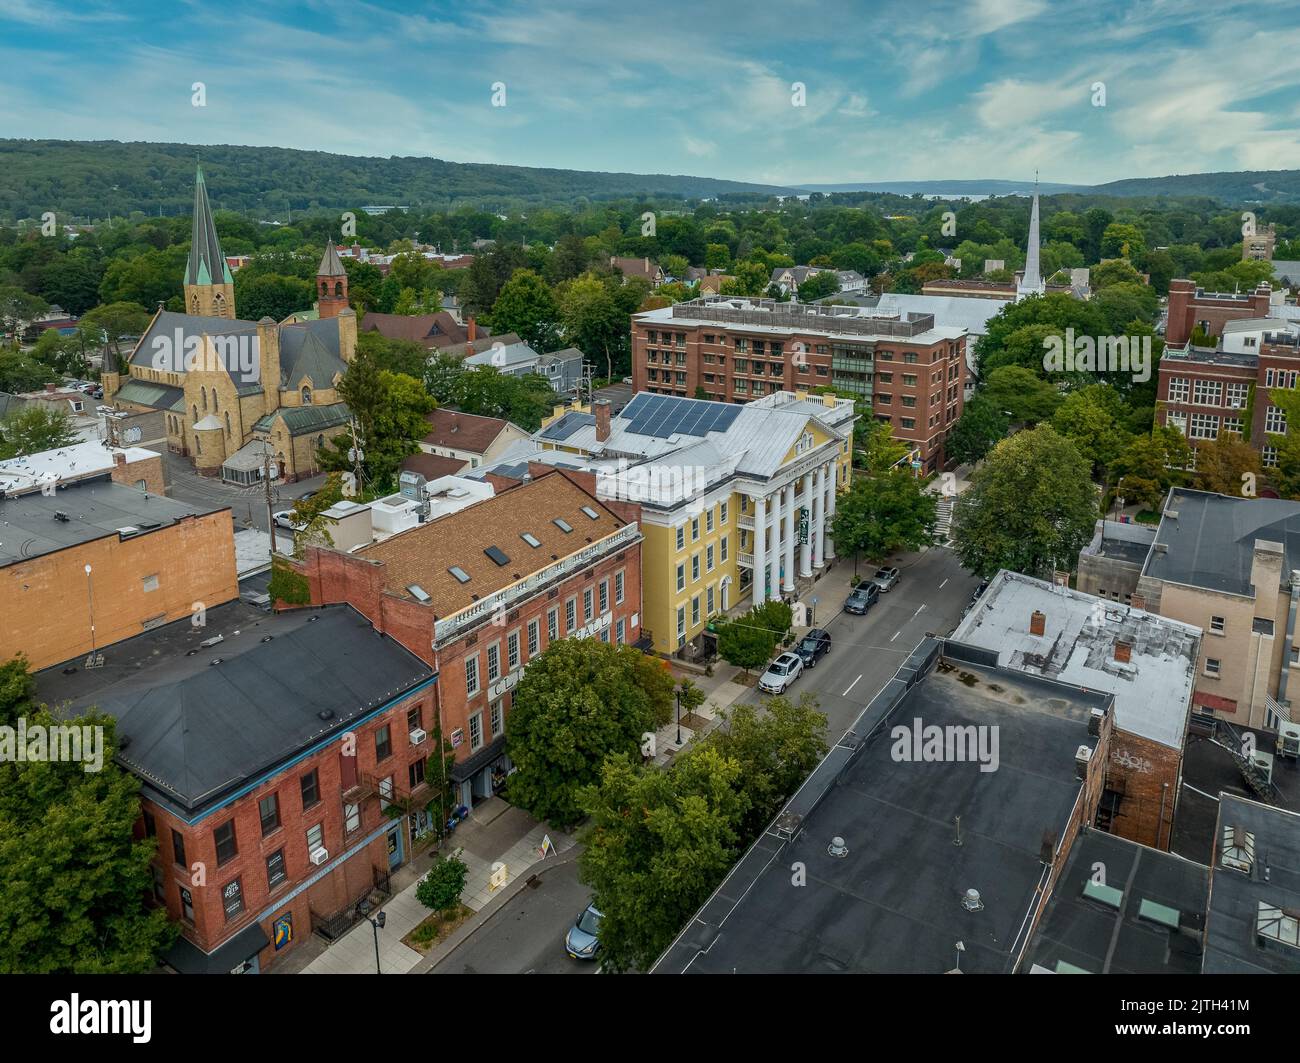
{"x": 592, "y": 320}
{"x": 875, "y": 449}
{"x": 1030, "y": 508}
{"x": 578, "y": 703}
{"x": 34, "y": 429}
{"x": 1090, "y": 419}
{"x": 271, "y": 295}
{"x": 1286, "y": 475}
{"x": 1150, "y": 465}
{"x": 819, "y": 286}
{"x": 888, "y": 512}
{"x": 1224, "y": 465}
{"x": 1020, "y": 394}
{"x": 979, "y": 429}
{"x": 442, "y": 885}
{"x": 743, "y": 643}
{"x": 527, "y": 306}
{"x": 113, "y": 323}
{"x": 21, "y": 372}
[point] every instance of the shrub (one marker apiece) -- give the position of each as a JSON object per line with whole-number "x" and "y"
{"x": 441, "y": 888}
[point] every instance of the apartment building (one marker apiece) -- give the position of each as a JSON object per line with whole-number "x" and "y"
{"x": 905, "y": 369}
{"x": 736, "y": 501}
{"x": 1191, "y": 307}
{"x": 479, "y": 593}
{"x": 280, "y": 769}
{"x": 1228, "y": 566}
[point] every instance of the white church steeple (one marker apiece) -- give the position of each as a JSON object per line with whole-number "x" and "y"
{"x": 1031, "y": 283}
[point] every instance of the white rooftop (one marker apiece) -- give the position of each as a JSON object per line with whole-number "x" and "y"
{"x": 73, "y": 462}
{"x": 1153, "y": 690}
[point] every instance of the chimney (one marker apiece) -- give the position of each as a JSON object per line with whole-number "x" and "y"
{"x": 1038, "y": 623}
{"x": 602, "y": 420}
{"x": 472, "y": 326}
{"x": 51, "y": 388}
{"x": 1138, "y": 601}
{"x": 119, "y": 458}
{"x": 1123, "y": 651}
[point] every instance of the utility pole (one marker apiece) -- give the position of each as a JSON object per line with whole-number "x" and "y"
{"x": 356, "y": 454}
{"x": 267, "y": 470}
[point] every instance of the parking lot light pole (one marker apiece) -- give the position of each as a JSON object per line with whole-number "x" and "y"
{"x": 376, "y": 924}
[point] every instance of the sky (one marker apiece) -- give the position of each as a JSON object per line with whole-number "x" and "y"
{"x": 1082, "y": 92}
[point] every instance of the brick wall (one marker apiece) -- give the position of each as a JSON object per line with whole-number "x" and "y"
{"x": 1147, "y": 774}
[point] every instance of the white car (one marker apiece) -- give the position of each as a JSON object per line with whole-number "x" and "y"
{"x": 781, "y": 673}
{"x": 284, "y": 519}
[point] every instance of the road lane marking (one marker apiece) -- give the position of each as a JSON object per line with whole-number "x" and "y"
{"x": 918, "y": 611}
{"x": 896, "y": 634}
{"x": 943, "y": 584}
{"x": 851, "y": 686}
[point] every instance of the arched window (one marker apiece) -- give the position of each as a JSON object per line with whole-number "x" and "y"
{"x": 198, "y": 444}
{"x": 215, "y": 407}
{"x": 196, "y": 412}
{"x": 338, "y": 289}
{"x": 203, "y": 394}
{"x": 194, "y": 303}
{"x": 306, "y": 396}
{"x": 227, "y": 423}
{"x": 219, "y": 304}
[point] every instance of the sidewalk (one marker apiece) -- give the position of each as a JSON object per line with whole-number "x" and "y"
{"x": 494, "y": 833}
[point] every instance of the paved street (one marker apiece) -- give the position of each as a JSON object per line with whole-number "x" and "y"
{"x": 867, "y": 650}
{"x": 526, "y": 936}
{"x": 248, "y": 504}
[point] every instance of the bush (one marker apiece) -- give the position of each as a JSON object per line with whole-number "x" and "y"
{"x": 441, "y": 888}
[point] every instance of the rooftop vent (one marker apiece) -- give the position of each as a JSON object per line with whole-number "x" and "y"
{"x": 837, "y": 847}
{"x": 971, "y": 901}
{"x": 1103, "y": 894}
{"x": 325, "y": 714}
{"x": 497, "y": 555}
{"x": 59, "y": 515}
{"x": 461, "y": 575}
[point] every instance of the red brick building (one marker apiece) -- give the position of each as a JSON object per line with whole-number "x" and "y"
{"x": 479, "y": 593}
{"x": 910, "y": 371}
{"x": 268, "y": 761}
{"x": 1190, "y": 306}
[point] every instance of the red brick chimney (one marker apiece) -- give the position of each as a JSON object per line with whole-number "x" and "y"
{"x": 1123, "y": 651}
{"x": 51, "y": 388}
{"x": 1179, "y": 327}
{"x": 472, "y": 327}
{"x": 1038, "y": 623}
{"x": 602, "y": 420}
{"x": 119, "y": 459}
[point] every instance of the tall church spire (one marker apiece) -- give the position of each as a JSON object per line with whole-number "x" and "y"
{"x": 1032, "y": 281}
{"x": 209, "y": 287}
{"x": 331, "y": 283}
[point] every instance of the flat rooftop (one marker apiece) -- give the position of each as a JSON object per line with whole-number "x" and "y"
{"x": 33, "y": 525}
{"x": 893, "y": 902}
{"x": 1153, "y": 689}
{"x": 1149, "y": 922}
{"x": 73, "y": 462}
{"x": 199, "y": 722}
{"x": 1253, "y": 923}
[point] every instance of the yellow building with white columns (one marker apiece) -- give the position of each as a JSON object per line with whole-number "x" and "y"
{"x": 736, "y": 500}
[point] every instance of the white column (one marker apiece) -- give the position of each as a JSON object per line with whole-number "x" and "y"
{"x": 760, "y": 550}
{"x": 791, "y": 533}
{"x": 805, "y": 549}
{"x": 816, "y": 527}
{"x": 833, "y": 470}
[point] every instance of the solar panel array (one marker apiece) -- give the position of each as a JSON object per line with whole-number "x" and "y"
{"x": 662, "y": 416}
{"x": 567, "y": 425}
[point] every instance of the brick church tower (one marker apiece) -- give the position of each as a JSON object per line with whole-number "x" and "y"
{"x": 331, "y": 284}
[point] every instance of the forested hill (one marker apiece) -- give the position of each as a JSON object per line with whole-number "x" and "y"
{"x": 1242, "y": 187}
{"x": 96, "y": 178}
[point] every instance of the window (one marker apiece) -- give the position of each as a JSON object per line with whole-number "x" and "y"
{"x": 1235, "y": 396}
{"x": 471, "y": 675}
{"x": 315, "y": 838}
{"x": 496, "y": 720}
{"x": 604, "y": 596}
{"x": 552, "y": 625}
{"x": 1268, "y": 456}
{"x": 906, "y": 422}
{"x": 149, "y": 583}
{"x": 512, "y": 651}
{"x": 708, "y": 558}
{"x": 1217, "y": 623}
{"x": 414, "y": 718}
{"x": 159, "y": 887}
{"x": 681, "y": 536}
{"x": 695, "y": 529}
{"x": 275, "y": 870}
{"x": 1205, "y": 426}
{"x": 571, "y": 615}
{"x": 383, "y": 743}
{"x": 681, "y": 577}
{"x": 708, "y": 519}
{"x": 1207, "y": 392}
{"x": 1212, "y": 666}
{"x": 909, "y": 380}
{"x": 1275, "y": 421}
{"x": 620, "y": 631}
{"x": 695, "y": 610}
{"x": 150, "y": 827}
{"x": 232, "y": 899}
{"x": 1176, "y": 420}
{"x": 1232, "y": 425}
{"x": 695, "y": 568}
{"x": 722, "y": 512}
{"x": 385, "y": 791}
{"x": 225, "y": 839}
{"x": 618, "y": 588}
{"x": 708, "y": 608}
{"x": 1178, "y": 386}
{"x": 187, "y": 905}
{"x": 534, "y": 637}
{"x": 415, "y": 773}
{"x": 494, "y": 662}
{"x": 681, "y": 625}
{"x": 587, "y": 601}
{"x": 476, "y": 731}
{"x": 178, "y": 849}
{"x": 310, "y": 789}
{"x": 351, "y": 818}
{"x": 269, "y": 809}
{"x": 723, "y": 544}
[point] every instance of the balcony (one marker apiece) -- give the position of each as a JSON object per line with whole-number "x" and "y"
{"x": 746, "y": 521}
{"x": 745, "y": 560}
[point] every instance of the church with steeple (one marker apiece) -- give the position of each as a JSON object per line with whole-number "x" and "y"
{"x": 235, "y": 393}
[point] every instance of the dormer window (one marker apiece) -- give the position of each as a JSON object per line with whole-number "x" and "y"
{"x": 306, "y": 396}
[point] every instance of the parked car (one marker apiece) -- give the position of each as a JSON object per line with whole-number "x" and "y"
{"x": 98, "y": 393}
{"x": 814, "y": 646}
{"x": 885, "y": 578}
{"x": 284, "y": 519}
{"x": 781, "y": 673}
{"x": 582, "y": 942}
{"x": 306, "y": 495}
{"x": 862, "y": 598}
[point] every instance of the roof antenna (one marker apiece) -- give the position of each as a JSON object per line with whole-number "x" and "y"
{"x": 957, "y": 840}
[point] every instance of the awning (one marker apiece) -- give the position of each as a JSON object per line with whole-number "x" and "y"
{"x": 187, "y": 958}
{"x": 467, "y": 769}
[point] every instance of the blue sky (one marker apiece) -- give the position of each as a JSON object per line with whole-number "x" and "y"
{"x": 894, "y": 90}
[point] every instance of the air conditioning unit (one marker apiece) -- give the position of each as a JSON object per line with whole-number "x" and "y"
{"x": 417, "y": 736}
{"x": 319, "y": 856}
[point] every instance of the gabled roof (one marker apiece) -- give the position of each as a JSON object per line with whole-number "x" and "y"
{"x": 304, "y": 420}
{"x": 431, "y": 330}
{"x": 330, "y": 264}
{"x": 147, "y": 393}
{"x": 207, "y": 265}
{"x": 307, "y": 357}
{"x": 463, "y": 431}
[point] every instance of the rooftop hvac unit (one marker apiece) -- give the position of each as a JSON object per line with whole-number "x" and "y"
{"x": 1288, "y": 740}
{"x": 418, "y": 735}
{"x": 319, "y": 856}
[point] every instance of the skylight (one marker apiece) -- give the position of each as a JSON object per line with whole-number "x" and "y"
{"x": 563, "y": 524}
{"x": 1278, "y": 924}
{"x": 459, "y": 573}
{"x": 591, "y": 513}
{"x": 1107, "y": 895}
{"x": 1238, "y": 849}
{"x": 531, "y": 539}
{"x": 418, "y": 592}
{"x": 497, "y": 555}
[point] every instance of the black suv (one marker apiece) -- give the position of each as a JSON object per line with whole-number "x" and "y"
{"x": 863, "y": 597}
{"x": 814, "y": 646}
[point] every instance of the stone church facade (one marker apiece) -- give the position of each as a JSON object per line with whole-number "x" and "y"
{"x": 234, "y": 392}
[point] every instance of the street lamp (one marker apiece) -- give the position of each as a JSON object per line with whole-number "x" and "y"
{"x": 678, "y": 694}
{"x": 375, "y": 924}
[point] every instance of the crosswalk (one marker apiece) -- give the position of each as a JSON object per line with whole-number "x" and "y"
{"x": 943, "y": 526}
